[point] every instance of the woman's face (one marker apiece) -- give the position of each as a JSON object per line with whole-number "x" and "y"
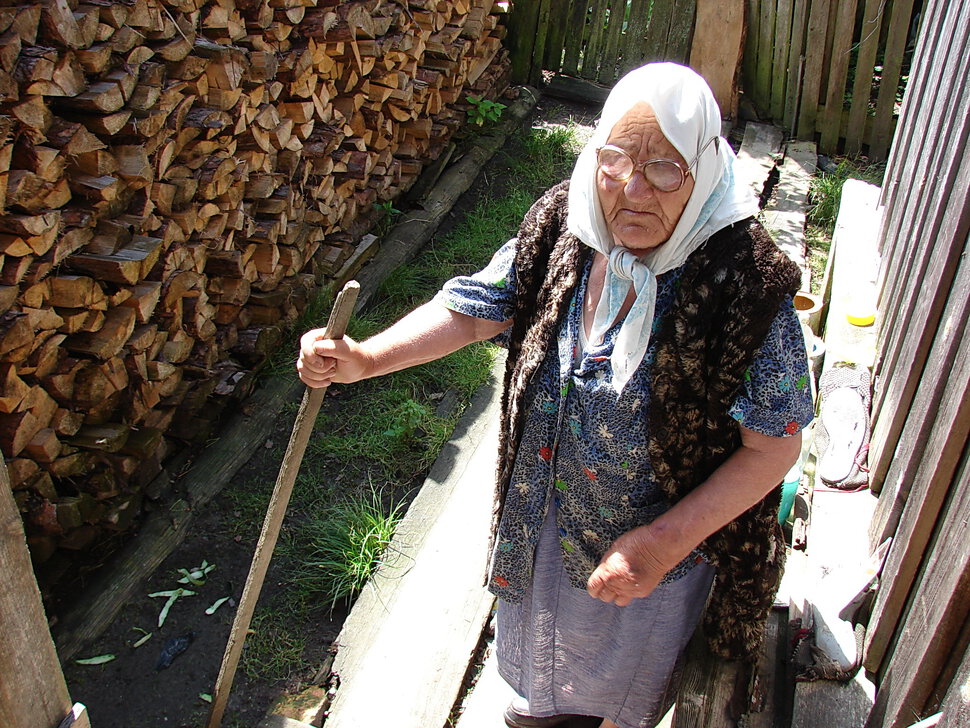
{"x": 640, "y": 216}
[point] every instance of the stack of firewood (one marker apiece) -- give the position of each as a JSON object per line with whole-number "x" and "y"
{"x": 176, "y": 178}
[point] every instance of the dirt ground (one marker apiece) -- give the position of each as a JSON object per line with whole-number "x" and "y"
{"x": 129, "y": 691}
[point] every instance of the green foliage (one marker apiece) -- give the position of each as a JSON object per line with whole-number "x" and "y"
{"x": 825, "y": 195}
{"x": 825, "y": 192}
{"x": 345, "y": 544}
{"x": 274, "y": 650}
{"x": 484, "y": 110}
{"x": 388, "y": 214}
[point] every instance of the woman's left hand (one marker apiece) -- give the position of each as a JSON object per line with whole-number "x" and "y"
{"x": 631, "y": 569}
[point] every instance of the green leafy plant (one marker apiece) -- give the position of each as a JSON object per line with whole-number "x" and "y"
{"x": 346, "y": 543}
{"x": 385, "y": 220}
{"x": 484, "y": 110}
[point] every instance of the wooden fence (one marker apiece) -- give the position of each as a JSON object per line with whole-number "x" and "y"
{"x": 920, "y": 627}
{"x": 597, "y": 40}
{"x": 832, "y": 68}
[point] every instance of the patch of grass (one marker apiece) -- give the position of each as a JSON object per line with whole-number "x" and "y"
{"x": 345, "y": 543}
{"x": 274, "y": 650}
{"x": 825, "y": 195}
{"x": 825, "y": 192}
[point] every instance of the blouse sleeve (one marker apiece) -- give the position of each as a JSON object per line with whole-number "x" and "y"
{"x": 776, "y": 398}
{"x": 488, "y": 294}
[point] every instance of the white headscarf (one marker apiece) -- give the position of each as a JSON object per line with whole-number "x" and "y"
{"x": 689, "y": 117}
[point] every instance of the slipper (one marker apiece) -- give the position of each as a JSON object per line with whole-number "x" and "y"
{"x": 842, "y": 434}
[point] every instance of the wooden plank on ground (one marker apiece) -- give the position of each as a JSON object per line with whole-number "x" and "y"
{"x": 785, "y": 216}
{"x": 779, "y": 72}
{"x": 716, "y": 50}
{"x": 854, "y": 263}
{"x": 33, "y": 693}
{"x": 707, "y": 697}
{"x": 837, "y": 552}
{"x": 939, "y": 607}
{"x": 758, "y": 154}
{"x": 484, "y": 705}
{"x": 421, "y": 616}
{"x": 862, "y": 87}
{"x": 813, "y": 69}
{"x": 831, "y": 122}
{"x": 902, "y": 11}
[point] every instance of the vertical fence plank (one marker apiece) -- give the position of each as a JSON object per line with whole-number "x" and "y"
{"x": 766, "y": 45}
{"x": 636, "y": 32}
{"x": 574, "y": 38}
{"x": 882, "y": 129}
{"x": 32, "y": 689}
{"x": 535, "y": 77}
{"x": 813, "y": 70}
{"x": 655, "y": 45}
{"x": 594, "y": 49}
{"x": 716, "y": 49}
{"x": 942, "y": 407}
{"x": 779, "y": 71}
{"x": 865, "y": 67}
{"x": 556, "y": 37}
{"x": 938, "y": 607}
{"x": 796, "y": 62}
{"x": 935, "y": 136}
{"x": 609, "y": 69}
{"x": 524, "y": 23}
{"x": 749, "y": 60}
{"x": 831, "y": 126}
{"x": 681, "y": 30}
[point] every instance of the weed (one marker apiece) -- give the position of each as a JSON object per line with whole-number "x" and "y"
{"x": 825, "y": 195}
{"x": 274, "y": 650}
{"x": 388, "y": 213}
{"x": 345, "y": 544}
{"x": 484, "y": 110}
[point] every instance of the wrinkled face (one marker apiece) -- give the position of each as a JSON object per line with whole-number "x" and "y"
{"x": 640, "y": 216}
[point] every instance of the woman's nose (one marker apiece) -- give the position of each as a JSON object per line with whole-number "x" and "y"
{"x": 637, "y": 187}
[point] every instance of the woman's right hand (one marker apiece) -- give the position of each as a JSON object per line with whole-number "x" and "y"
{"x": 323, "y": 361}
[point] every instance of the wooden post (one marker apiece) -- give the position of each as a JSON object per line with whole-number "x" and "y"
{"x": 716, "y": 50}
{"x": 523, "y": 26}
{"x": 33, "y": 693}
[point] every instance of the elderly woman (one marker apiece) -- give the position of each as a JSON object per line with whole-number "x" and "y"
{"x": 655, "y": 388}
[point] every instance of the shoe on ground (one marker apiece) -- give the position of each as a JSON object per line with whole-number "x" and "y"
{"x": 517, "y": 716}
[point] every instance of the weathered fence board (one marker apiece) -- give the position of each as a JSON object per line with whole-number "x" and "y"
{"x": 598, "y": 40}
{"x": 32, "y": 689}
{"x": 918, "y": 266}
{"x": 939, "y": 608}
{"x": 831, "y": 126}
{"x": 801, "y": 54}
{"x": 864, "y": 68}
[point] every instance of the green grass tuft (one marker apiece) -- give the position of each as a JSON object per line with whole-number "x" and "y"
{"x": 345, "y": 543}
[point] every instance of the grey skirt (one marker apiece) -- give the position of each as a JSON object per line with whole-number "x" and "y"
{"x": 566, "y": 652}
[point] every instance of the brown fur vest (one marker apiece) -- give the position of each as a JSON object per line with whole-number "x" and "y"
{"x": 729, "y": 293}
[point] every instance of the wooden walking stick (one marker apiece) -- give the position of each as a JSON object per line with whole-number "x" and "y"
{"x": 302, "y": 427}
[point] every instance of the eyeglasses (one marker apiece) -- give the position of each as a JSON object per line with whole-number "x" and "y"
{"x": 666, "y": 175}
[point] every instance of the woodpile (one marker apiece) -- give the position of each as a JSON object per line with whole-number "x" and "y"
{"x": 176, "y": 179}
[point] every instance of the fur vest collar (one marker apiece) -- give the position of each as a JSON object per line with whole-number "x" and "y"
{"x": 730, "y": 291}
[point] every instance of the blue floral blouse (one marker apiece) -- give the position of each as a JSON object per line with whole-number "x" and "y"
{"x": 584, "y": 445}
